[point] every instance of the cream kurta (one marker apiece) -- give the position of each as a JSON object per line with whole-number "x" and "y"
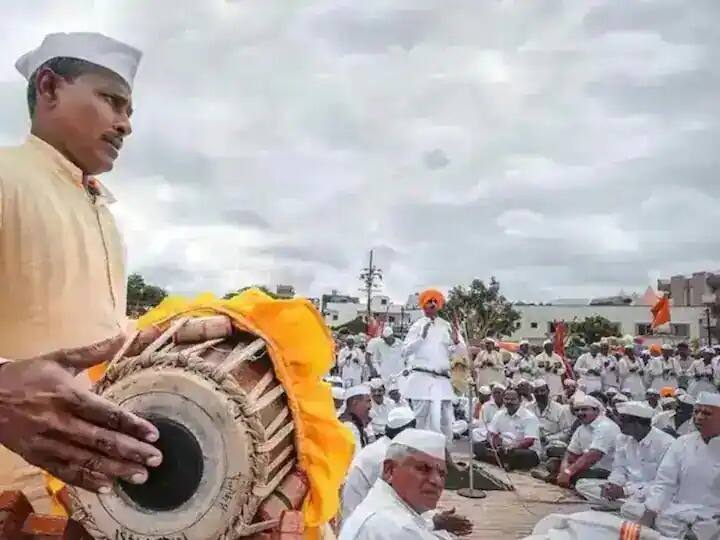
{"x": 62, "y": 270}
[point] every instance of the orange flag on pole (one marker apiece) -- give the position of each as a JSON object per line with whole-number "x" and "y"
{"x": 660, "y": 312}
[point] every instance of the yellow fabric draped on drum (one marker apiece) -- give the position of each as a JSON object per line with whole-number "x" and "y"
{"x": 301, "y": 350}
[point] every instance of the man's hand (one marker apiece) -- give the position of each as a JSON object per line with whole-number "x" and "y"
{"x": 612, "y": 492}
{"x": 451, "y": 522}
{"x": 426, "y": 328}
{"x": 564, "y": 479}
{"x": 49, "y": 419}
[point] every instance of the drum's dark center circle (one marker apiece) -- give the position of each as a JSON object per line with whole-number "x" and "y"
{"x": 178, "y": 477}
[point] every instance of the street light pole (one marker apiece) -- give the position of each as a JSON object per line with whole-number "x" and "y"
{"x": 709, "y": 334}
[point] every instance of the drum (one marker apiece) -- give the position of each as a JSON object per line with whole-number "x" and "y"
{"x": 226, "y": 434}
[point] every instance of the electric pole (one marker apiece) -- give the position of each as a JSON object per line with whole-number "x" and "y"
{"x": 370, "y": 276}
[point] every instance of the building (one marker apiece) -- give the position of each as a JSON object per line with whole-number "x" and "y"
{"x": 537, "y": 321}
{"x": 285, "y": 291}
{"x": 688, "y": 290}
{"x": 346, "y": 309}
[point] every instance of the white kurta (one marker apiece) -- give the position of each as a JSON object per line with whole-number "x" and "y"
{"x": 666, "y": 420}
{"x": 551, "y": 368}
{"x": 609, "y": 372}
{"x": 661, "y": 372}
{"x": 701, "y": 378}
{"x": 630, "y": 373}
{"x": 432, "y": 353}
{"x": 687, "y": 487}
{"x": 556, "y": 420}
{"x": 522, "y": 367}
{"x": 634, "y": 468}
{"x": 383, "y": 515}
{"x": 487, "y": 413}
{"x": 601, "y": 434}
{"x": 514, "y": 428}
{"x": 350, "y": 362}
{"x": 379, "y": 415}
{"x": 589, "y": 381}
{"x": 364, "y": 470}
{"x": 489, "y": 368}
{"x": 386, "y": 359}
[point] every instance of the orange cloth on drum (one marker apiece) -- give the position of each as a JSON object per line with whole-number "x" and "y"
{"x": 429, "y": 294}
{"x": 301, "y": 350}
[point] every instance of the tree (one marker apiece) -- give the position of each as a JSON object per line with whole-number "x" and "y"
{"x": 142, "y": 296}
{"x": 484, "y": 309}
{"x": 263, "y": 288}
{"x": 593, "y": 328}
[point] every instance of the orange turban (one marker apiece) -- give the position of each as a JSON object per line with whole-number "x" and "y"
{"x": 430, "y": 294}
{"x": 667, "y": 391}
{"x": 655, "y": 349}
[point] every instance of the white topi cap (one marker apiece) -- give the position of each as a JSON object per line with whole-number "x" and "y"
{"x": 667, "y": 347}
{"x": 539, "y": 383}
{"x": 431, "y": 443}
{"x": 636, "y": 408}
{"x": 387, "y": 331}
{"x": 611, "y": 390}
{"x": 376, "y": 383}
{"x": 484, "y": 390}
{"x": 547, "y": 342}
{"x": 338, "y": 393}
{"x": 524, "y": 342}
{"x": 587, "y": 401}
{"x": 359, "y": 390}
{"x": 569, "y": 382}
{"x": 708, "y": 398}
{"x": 687, "y": 399}
{"x": 652, "y": 391}
{"x": 618, "y": 398}
{"x": 399, "y": 417}
{"x": 499, "y": 386}
{"x": 92, "y": 47}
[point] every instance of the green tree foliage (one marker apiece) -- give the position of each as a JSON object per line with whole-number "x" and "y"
{"x": 484, "y": 309}
{"x": 593, "y": 328}
{"x": 261, "y": 287}
{"x": 142, "y": 296}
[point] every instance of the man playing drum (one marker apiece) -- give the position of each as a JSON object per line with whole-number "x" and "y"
{"x": 63, "y": 273}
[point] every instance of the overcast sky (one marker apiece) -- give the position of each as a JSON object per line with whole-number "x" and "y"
{"x": 568, "y": 147}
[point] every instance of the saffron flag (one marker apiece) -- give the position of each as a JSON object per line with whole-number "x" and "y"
{"x": 561, "y": 331}
{"x": 660, "y": 312}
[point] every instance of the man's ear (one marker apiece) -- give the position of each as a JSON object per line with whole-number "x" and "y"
{"x": 388, "y": 468}
{"x": 46, "y": 86}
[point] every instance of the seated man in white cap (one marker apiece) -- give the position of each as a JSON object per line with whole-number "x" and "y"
{"x": 412, "y": 481}
{"x": 366, "y": 467}
{"x": 639, "y": 451}
{"x": 592, "y": 447}
{"x": 62, "y": 303}
{"x": 381, "y": 407}
{"x": 487, "y": 412}
{"x": 685, "y": 495}
{"x": 555, "y": 421}
{"x": 589, "y": 368}
{"x": 551, "y": 368}
{"x": 356, "y": 415}
{"x": 678, "y": 421}
{"x": 488, "y": 365}
{"x": 394, "y": 394}
{"x": 513, "y": 437}
{"x": 385, "y": 355}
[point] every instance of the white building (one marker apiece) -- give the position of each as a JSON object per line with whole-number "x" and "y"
{"x": 400, "y": 316}
{"x": 536, "y": 322}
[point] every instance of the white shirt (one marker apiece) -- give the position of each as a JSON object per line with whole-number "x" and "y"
{"x": 386, "y": 359}
{"x": 636, "y": 463}
{"x": 432, "y": 353}
{"x": 688, "y": 478}
{"x": 383, "y": 515}
{"x": 487, "y": 413}
{"x": 587, "y": 362}
{"x": 702, "y": 378}
{"x": 364, "y": 470}
{"x": 350, "y": 362}
{"x": 666, "y": 420}
{"x": 555, "y": 421}
{"x": 379, "y": 415}
{"x": 514, "y": 428}
{"x": 600, "y": 435}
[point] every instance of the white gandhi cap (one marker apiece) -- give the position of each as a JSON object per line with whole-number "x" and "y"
{"x": 338, "y": 393}
{"x": 359, "y": 390}
{"x": 431, "y": 443}
{"x": 399, "y": 417}
{"x": 708, "y": 398}
{"x": 92, "y": 47}
{"x": 636, "y": 408}
{"x": 387, "y": 331}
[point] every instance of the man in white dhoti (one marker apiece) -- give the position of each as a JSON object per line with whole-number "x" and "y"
{"x": 380, "y": 408}
{"x": 350, "y": 363}
{"x": 679, "y": 421}
{"x": 686, "y": 493}
{"x": 366, "y": 466}
{"x": 413, "y": 476}
{"x": 631, "y": 373}
{"x": 513, "y": 437}
{"x": 551, "y": 368}
{"x": 430, "y": 343}
{"x": 356, "y": 415}
{"x": 592, "y": 447}
{"x": 639, "y": 451}
{"x": 701, "y": 374}
{"x": 589, "y": 368}
{"x": 385, "y": 354}
{"x": 488, "y": 365}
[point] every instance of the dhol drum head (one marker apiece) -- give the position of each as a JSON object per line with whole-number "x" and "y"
{"x": 226, "y": 436}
